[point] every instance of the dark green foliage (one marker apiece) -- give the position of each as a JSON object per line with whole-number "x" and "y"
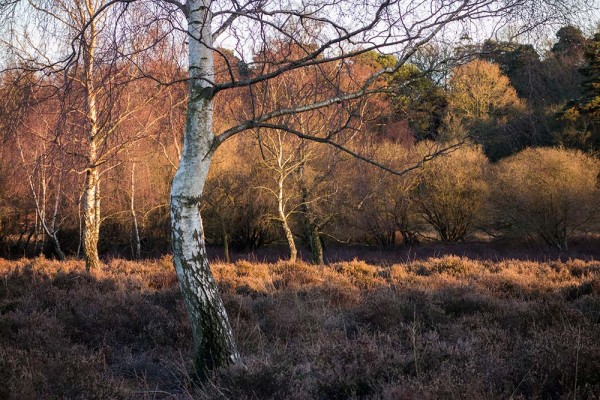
{"x": 520, "y": 62}
{"x": 546, "y": 84}
{"x": 571, "y": 42}
{"x": 421, "y": 100}
{"x": 583, "y": 115}
{"x": 416, "y": 97}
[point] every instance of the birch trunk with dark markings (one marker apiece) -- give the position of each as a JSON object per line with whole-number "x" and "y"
{"x": 91, "y": 199}
{"x": 214, "y": 345}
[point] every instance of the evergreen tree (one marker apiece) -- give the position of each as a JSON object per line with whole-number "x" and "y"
{"x": 571, "y": 42}
{"x": 583, "y": 115}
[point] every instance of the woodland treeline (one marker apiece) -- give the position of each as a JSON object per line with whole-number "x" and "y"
{"x": 502, "y": 144}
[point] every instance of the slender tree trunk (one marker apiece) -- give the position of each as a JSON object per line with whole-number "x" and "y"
{"x": 91, "y": 225}
{"x": 44, "y": 188}
{"x": 41, "y": 209}
{"x": 57, "y": 250}
{"x": 289, "y": 236}
{"x": 37, "y": 234}
{"x": 80, "y": 222}
{"x": 214, "y": 345}
{"x": 136, "y": 231}
{"x": 310, "y": 227}
{"x": 225, "y": 242}
{"x": 316, "y": 246}
{"x": 50, "y": 231}
{"x": 60, "y": 255}
{"x": 91, "y": 201}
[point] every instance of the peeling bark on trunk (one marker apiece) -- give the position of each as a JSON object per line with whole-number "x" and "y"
{"x": 213, "y": 337}
{"x": 214, "y": 345}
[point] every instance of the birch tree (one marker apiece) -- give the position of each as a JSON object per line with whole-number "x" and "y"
{"x": 401, "y": 27}
{"x": 85, "y": 64}
{"x": 338, "y": 30}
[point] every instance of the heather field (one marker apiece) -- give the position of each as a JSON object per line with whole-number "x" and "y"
{"x": 438, "y": 328}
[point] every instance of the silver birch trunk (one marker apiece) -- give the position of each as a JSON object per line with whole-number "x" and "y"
{"x": 289, "y": 236}
{"x": 41, "y": 208}
{"x": 91, "y": 223}
{"x": 44, "y": 188}
{"x": 50, "y": 231}
{"x": 38, "y": 228}
{"x": 214, "y": 345}
{"x": 136, "y": 230}
{"x": 91, "y": 199}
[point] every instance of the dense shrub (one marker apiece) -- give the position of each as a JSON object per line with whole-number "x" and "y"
{"x": 380, "y": 206}
{"x": 552, "y": 194}
{"x": 453, "y": 191}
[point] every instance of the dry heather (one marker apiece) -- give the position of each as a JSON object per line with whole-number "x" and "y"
{"x": 442, "y": 328}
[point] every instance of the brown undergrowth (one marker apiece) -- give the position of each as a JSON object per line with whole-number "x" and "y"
{"x": 442, "y": 328}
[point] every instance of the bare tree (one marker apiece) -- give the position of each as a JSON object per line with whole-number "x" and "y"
{"x": 327, "y": 33}
{"x": 283, "y": 160}
{"x": 85, "y": 63}
{"x": 394, "y": 26}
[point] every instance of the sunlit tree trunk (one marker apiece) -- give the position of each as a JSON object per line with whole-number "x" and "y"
{"x": 214, "y": 345}
{"x": 283, "y": 217}
{"x": 52, "y": 233}
{"x": 91, "y": 223}
{"x": 91, "y": 199}
{"x": 44, "y": 188}
{"x": 136, "y": 230}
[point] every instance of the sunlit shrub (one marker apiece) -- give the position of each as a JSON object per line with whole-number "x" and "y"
{"x": 452, "y": 192}
{"x": 547, "y": 193}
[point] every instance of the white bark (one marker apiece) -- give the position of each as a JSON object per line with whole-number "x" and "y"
{"x": 91, "y": 200}
{"x": 91, "y": 219}
{"x": 136, "y": 230}
{"x": 214, "y": 345}
{"x": 40, "y": 207}
{"x": 289, "y": 236}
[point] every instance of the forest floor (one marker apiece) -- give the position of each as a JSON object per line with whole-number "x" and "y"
{"x": 431, "y": 328}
